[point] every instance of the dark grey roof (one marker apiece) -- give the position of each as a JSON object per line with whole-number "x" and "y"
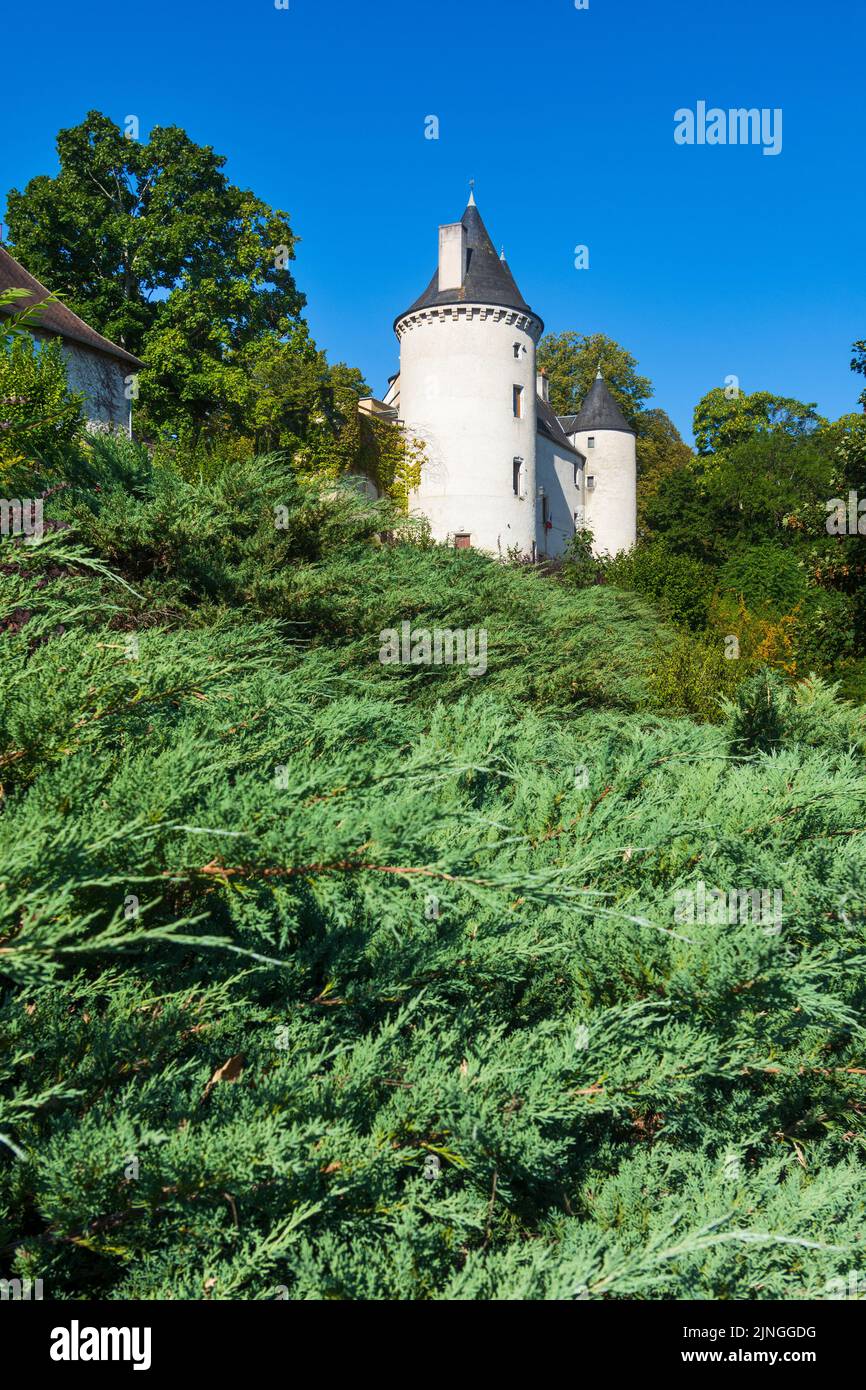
{"x": 599, "y": 411}
{"x": 567, "y": 422}
{"x": 488, "y": 279}
{"x": 549, "y": 425}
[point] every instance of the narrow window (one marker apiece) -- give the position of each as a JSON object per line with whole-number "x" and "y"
{"x": 590, "y": 443}
{"x": 516, "y": 349}
{"x": 577, "y": 475}
{"x": 518, "y": 402}
{"x": 462, "y": 541}
{"x": 518, "y": 478}
{"x": 590, "y": 482}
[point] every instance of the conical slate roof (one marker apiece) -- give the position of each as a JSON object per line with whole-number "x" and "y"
{"x": 599, "y": 411}
{"x": 488, "y": 279}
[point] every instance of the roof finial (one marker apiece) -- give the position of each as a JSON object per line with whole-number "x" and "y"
{"x": 502, "y": 253}
{"x": 472, "y": 193}
{"x": 598, "y": 375}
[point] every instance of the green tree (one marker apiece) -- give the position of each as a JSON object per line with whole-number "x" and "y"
{"x": 858, "y": 364}
{"x": 150, "y": 242}
{"x": 660, "y": 453}
{"x": 571, "y": 361}
{"x": 723, "y": 420}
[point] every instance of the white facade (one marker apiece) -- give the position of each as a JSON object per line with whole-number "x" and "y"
{"x": 107, "y": 385}
{"x": 502, "y": 473}
{"x": 610, "y": 484}
{"x": 459, "y": 368}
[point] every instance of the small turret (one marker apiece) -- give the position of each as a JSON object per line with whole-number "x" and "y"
{"x": 603, "y": 435}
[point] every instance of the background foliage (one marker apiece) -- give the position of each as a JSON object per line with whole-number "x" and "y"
{"x": 324, "y": 978}
{"x": 340, "y": 980}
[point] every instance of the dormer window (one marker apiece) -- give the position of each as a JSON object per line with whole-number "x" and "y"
{"x": 517, "y": 399}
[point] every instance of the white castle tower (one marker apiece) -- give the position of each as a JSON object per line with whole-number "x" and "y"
{"x": 606, "y": 442}
{"x": 502, "y": 472}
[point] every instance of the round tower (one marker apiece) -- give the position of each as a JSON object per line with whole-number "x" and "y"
{"x": 603, "y": 435}
{"x": 467, "y": 391}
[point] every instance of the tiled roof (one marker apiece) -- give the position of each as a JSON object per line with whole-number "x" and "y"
{"x": 55, "y": 318}
{"x": 549, "y": 425}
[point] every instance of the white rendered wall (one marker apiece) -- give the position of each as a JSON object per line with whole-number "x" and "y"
{"x": 457, "y": 373}
{"x": 102, "y": 379}
{"x": 554, "y": 471}
{"x": 611, "y": 507}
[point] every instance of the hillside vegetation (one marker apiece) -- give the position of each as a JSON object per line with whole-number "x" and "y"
{"x": 323, "y": 978}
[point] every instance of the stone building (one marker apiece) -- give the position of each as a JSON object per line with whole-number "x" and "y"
{"x": 502, "y": 471}
{"x": 102, "y": 371}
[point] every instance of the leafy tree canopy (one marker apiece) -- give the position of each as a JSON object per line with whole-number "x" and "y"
{"x": 150, "y": 242}
{"x": 571, "y": 361}
{"x": 723, "y": 420}
{"x": 661, "y": 452}
{"x": 858, "y": 364}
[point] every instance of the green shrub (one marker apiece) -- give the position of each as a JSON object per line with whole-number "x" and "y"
{"x": 677, "y": 585}
{"x": 764, "y": 575}
{"x": 357, "y": 981}
{"x": 580, "y": 567}
{"x": 38, "y": 412}
{"x": 693, "y": 676}
{"x": 758, "y": 718}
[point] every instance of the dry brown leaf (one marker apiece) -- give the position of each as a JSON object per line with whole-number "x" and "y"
{"x": 231, "y": 1070}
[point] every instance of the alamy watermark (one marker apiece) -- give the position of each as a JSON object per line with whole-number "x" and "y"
{"x": 725, "y": 907}
{"x": 20, "y": 1290}
{"x": 851, "y": 1287}
{"x": 441, "y": 646}
{"x": 846, "y": 518}
{"x": 22, "y": 516}
{"x": 77, "y": 1343}
{"x": 737, "y": 126}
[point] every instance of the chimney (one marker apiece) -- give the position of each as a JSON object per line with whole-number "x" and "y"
{"x": 543, "y": 386}
{"x": 452, "y": 256}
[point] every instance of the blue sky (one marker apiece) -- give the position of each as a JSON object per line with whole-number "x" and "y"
{"x": 705, "y": 261}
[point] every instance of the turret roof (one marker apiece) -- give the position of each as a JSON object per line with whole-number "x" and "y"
{"x": 488, "y": 279}
{"x": 598, "y": 412}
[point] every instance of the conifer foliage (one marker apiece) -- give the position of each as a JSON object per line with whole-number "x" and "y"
{"x": 323, "y": 978}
